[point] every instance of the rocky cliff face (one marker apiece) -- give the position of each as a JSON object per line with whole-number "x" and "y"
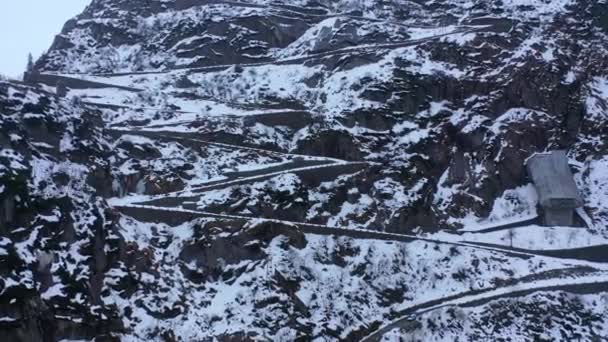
{"x": 266, "y": 170}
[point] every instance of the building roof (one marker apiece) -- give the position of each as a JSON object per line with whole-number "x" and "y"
{"x": 553, "y": 180}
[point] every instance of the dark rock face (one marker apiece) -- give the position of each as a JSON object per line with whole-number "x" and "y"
{"x": 333, "y": 144}
{"x": 212, "y": 253}
{"x": 161, "y": 193}
{"x": 42, "y": 170}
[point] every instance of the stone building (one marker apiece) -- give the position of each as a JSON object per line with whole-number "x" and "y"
{"x": 557, "y": 192}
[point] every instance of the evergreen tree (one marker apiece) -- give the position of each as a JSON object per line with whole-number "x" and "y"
{"x": 30, "y": 63}
{"x": 61, "y": 89}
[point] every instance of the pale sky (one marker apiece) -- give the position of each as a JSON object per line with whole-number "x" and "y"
{"x": 30, "y": 26}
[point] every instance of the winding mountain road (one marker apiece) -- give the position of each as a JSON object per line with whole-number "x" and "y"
{"x": 594, "y": 282}
{"x": 583, "y": 274}
{"x": 77, "y": 81}
{"x": 184, "y": 202}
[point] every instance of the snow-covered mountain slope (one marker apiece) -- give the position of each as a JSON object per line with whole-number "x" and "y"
{"x": 192, "y": 170}
{"x": 450, "y": 97}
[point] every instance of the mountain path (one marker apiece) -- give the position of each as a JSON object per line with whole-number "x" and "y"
{"x": 585, "y": 284}
{"x": 76, "y": 81}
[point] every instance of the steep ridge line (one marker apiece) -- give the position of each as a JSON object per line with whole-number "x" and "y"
{"x": 587, "y": 284}
{"x": 179, "y": 215}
